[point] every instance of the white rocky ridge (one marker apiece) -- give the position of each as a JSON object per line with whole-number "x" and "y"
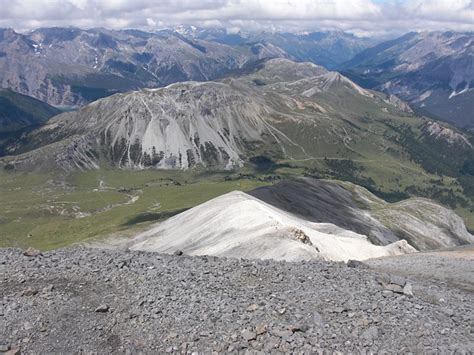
{"x": 439, "y": 131}
{"x": 239, "y": 225}
{"x": 177, "y": 127}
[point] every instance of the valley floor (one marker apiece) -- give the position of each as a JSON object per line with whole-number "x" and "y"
{"x": 80, "y": 299}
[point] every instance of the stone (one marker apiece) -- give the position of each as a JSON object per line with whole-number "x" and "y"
{"x": 318, "y": 319}
{"x": 29, "y": 292}
{"x": 338, "y": 309}
{"x": 370, "y": 334}
{"x": 252, "y": 307}
{"x": 178, "y": 253}
{"x": 397, "y": 280}
{"x": 449, "y": 312}
{"x": 4, "y": 347}
{"x": 261, "y": 329}
{"x": 356, "y": 264}
{"x": 383, "y": 279}
{"x": 249, "y": 335}
{"x": 394, "y": 288}
{"x": 31, "y": 252}
{"x": 48, "y": 288}
{"x": 408, "y": 290}
{"x": 299, "y": 328}
{"x": 103, "y": 308}
{"x": 282, "y": 333}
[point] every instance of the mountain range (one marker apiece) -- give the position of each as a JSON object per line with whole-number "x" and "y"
{"x": 433, "y": 71}
{"x": 329, "y": 49}
{"x": 280, "y": 109}
{"x": 71, "y": 66}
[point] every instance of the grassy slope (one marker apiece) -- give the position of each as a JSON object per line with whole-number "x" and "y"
{"x": 39, "y": 210}
{"x": 380, "y": 163}
{"x": 44, "y": 207}
{"x": 42, "y": 211}
{"x": 18, "y": 111}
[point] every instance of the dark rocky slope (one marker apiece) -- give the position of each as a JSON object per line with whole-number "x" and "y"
{"x": 423, "y": 223}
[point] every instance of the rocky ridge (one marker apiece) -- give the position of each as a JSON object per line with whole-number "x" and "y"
{"x": 239, "y": 225}
{"x": 425, "y": 224}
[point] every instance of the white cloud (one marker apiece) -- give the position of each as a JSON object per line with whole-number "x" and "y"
{"x": 359, "y": 16}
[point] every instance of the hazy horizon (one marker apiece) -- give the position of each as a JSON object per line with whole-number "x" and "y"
{"x": 360, "y": 17}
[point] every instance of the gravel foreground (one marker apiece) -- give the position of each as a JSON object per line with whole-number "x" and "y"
{"x": 91, "y": 300}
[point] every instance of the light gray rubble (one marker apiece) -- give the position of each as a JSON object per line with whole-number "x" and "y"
{"x": 85, "y": 300}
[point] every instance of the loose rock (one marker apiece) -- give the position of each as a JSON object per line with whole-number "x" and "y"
{"x": 103, "y": 308}
{"x": 200, "y": 305}
{"x": 31, "y": 252}
{"x": 357, "y": 264}
{"x": 249, "y": 335}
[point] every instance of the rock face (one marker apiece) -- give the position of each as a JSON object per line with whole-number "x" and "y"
{"x": 432, "y": 70}
{"x": 423, "y": 223}
{"x": 240, "y": 226}
{"x": 438, "y": 131}
{"x": 181, "y": 304}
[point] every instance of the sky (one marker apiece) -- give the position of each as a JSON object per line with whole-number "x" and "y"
{"x": 362, "y": 17}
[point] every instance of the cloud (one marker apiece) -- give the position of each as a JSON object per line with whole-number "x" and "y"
{"x": 358, "y": 16}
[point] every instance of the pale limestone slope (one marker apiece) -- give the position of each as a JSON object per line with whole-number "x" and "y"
{"x": 239, "y": 225}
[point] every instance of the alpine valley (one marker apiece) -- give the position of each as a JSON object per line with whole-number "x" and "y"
{"x": 264, "y": 117}
{"x": 433, "y": 71}
{"x": 200, "y": 190}
{"x": 273, "y": 120}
